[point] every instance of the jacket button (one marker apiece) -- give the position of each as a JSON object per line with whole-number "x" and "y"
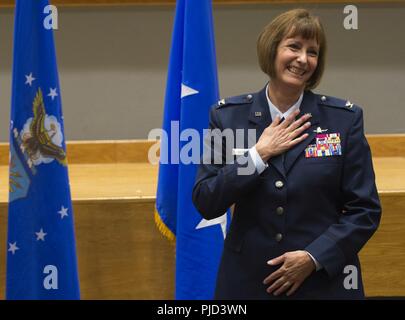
{"x": 280, "y": 210}
{"x": 279, "y": 236}
{"x": 279, "y": 184}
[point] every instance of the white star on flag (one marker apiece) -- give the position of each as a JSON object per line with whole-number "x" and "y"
{"x": 41, "y": 235}
{"x": 63, "y": 212}
{"x": 220, "y": 220}
{"x": 187, "y": 91}
{"x": 13, "y": 247}
{"x": 52, "y": 93}
{"x": 29, "y": 79}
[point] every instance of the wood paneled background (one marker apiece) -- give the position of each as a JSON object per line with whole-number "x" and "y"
{"x": 122, "y": 255}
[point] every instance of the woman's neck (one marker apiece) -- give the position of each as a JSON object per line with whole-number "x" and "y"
{"x": 283, "y": 97}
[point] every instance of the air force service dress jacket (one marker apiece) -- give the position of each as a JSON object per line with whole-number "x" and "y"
{"x": 320, "y": 196}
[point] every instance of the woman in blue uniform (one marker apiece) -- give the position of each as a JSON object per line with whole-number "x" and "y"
{"x": 310, "y": 203}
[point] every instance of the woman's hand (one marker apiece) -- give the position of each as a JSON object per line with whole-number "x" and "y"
{"x": 297, "y": 266}
{"x": 279, "y": 137}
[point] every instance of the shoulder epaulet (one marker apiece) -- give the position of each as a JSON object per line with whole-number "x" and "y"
{"x": 237, "y": 100}
{"x": 336, "y": 103}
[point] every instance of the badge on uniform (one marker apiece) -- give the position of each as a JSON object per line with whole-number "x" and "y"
{"x": 327, "y": 144}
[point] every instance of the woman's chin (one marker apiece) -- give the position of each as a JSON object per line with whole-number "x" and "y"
{"x": 294, "y": 83}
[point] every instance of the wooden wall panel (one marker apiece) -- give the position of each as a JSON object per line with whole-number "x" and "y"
{"x": 113, "y": 151}
{"x": 108, "y": 151}
{"x": 387, "y": 145}
{"x": 98, "y": 151}
{"x": 383, "y": 257}
{"x": 3, "y": 154}
{"x": 121, "y": 254}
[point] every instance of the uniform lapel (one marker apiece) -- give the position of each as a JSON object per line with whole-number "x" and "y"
{"x": 260, "y": 119}
{"x": 309, "y": 105}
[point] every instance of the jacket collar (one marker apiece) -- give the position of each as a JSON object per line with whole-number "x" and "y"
{"x": 261, "y": 118}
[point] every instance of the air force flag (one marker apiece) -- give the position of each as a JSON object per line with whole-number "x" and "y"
{"x": 41, "y": 254}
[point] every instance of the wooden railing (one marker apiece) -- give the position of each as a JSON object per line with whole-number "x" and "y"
{"x": 110, "y": 151}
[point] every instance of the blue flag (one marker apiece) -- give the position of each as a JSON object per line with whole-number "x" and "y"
{"x": 41, "y": 254}
{"x": 192, "y": 87}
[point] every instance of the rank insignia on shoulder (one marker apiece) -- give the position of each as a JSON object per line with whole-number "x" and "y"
{"x": 326, "y": 145}
{"x": 234, "y": 101}
{"x": 221, "y": 102}
{"x": 334, "y": 102}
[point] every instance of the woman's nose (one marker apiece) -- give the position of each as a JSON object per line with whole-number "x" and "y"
{"x": 302, "y": 57}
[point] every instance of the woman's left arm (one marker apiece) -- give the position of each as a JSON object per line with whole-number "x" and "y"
{"x": 344, "y": 239}
{"x": 361, "y": 211}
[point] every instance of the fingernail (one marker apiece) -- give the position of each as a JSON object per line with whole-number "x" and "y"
{"x": 270, "y": 262}
{"x": 309, "y": 114}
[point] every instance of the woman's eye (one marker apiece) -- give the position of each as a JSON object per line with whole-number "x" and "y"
{"x": 294, "y": 46}
{"x": 313, "y": 53}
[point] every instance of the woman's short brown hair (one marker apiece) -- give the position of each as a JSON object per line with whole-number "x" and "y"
{"x": 297, "y": 22}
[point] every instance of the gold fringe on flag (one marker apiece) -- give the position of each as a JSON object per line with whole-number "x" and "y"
{"x": 163, "y": 228}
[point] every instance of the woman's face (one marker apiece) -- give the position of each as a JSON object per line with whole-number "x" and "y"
{"x": 296, "y": 61}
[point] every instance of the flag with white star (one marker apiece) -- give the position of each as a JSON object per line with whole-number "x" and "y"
{"x": 41, "y": 251}
{"x": 192, "y": 87}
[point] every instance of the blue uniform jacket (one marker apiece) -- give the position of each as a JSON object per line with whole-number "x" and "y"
{"x": 326, "y": 205}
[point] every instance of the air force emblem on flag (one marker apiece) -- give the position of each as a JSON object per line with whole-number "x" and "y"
{"x": 42, "y": 135}
{"x": 40, "y": 140}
